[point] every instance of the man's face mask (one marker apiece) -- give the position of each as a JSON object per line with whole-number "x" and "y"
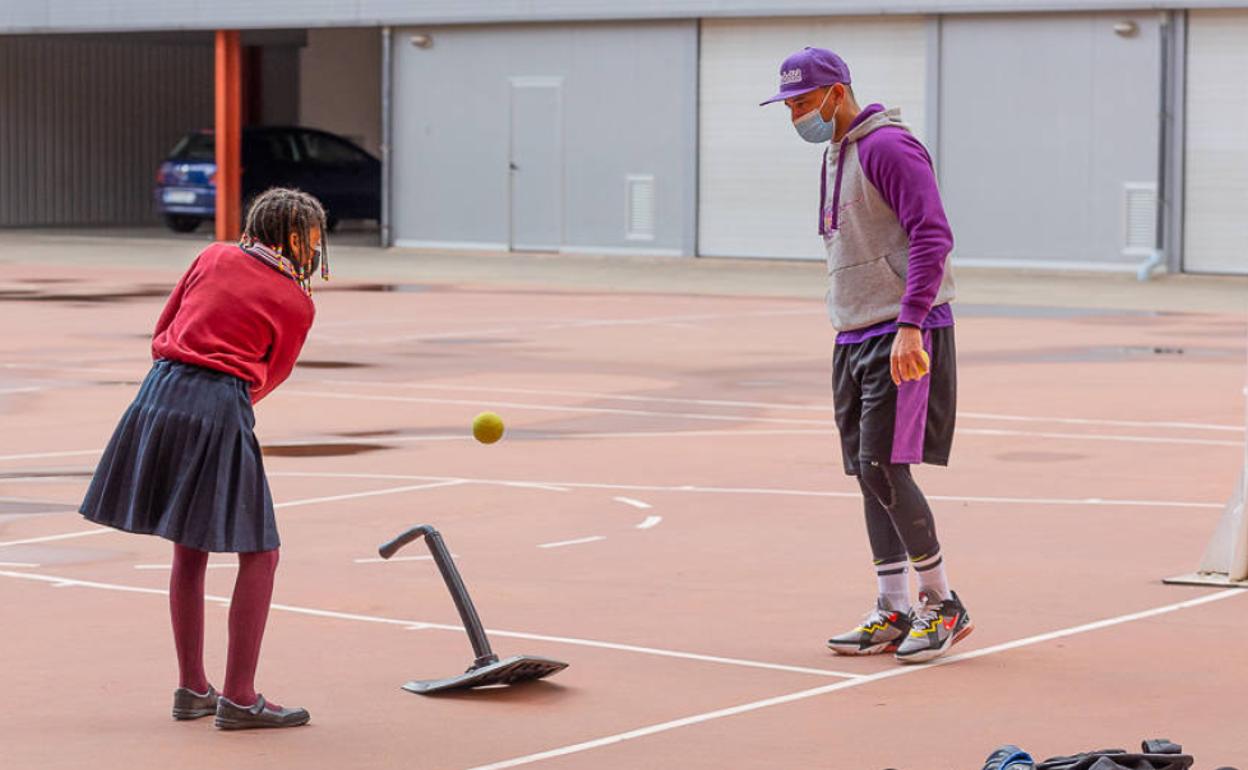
{"x": 813, "y": 128}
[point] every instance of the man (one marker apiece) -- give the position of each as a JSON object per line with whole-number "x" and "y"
{"x": 894, "y": 369}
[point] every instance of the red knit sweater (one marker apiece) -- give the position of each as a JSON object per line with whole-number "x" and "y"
{"x": 235, "y": 314}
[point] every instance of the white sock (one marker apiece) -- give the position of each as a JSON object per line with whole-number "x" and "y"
{"x": 894, "y": 583}
{"x": 930, "y": 570}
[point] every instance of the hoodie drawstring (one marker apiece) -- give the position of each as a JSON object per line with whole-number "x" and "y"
{"x": 823, "y": 190}
{"x": 836, "y": 191}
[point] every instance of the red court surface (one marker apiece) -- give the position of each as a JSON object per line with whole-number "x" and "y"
{"x": 667, "y": 513}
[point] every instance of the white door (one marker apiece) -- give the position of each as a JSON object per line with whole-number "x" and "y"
{"x": 1215, "y": 228}
{"x": 758, "y": 182}
{"x": 536, "y": 164}
{"x": 1033, "y": 174}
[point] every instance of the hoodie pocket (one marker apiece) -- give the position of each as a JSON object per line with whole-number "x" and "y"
{"x": 898, "y": 262}
{"x": 858, "y": 294}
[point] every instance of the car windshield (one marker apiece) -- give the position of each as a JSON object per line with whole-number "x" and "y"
{"x": 276, "y": 146}
{"x": 195, "y": 147}
{"x": 324, "y": 148}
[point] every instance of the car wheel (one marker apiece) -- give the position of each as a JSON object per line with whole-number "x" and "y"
{"x": 181, "y": 223}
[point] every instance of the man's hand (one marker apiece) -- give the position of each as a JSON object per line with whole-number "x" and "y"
{"x": 908, "y": 355}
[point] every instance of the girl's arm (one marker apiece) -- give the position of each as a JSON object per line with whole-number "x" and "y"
{"x": 175, "y": 298}
{"x": 283, "y": 353}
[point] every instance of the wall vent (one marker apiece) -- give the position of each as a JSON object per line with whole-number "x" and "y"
{"x": 1139, "y": 218}
{"x": 641, "y": 207}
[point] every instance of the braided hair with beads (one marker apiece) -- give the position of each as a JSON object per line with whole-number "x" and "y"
{"x": 278, "y": 219}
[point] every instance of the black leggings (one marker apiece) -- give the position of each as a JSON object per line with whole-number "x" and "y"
{"x": 899, "y": 520}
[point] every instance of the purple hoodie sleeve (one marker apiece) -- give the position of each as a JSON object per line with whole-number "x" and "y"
{"x": 900, "y": 168}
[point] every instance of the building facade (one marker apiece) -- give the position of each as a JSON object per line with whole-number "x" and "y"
{"x": 1099, "y": 135}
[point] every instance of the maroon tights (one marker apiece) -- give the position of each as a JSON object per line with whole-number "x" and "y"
{"x": 249, "y": 609}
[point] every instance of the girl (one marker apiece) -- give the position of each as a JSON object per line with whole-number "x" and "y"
{"x": 184, "y": 463}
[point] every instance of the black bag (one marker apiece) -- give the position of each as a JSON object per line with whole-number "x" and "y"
{"x": 1154, "y": 755}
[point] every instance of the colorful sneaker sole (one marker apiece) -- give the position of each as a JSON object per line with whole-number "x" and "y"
{"x": 854, "y": 650}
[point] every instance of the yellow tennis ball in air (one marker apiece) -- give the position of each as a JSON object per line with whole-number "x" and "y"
{"x": 487, "y": 427}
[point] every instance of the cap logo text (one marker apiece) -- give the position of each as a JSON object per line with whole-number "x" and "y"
{"x": 788, "y": 77}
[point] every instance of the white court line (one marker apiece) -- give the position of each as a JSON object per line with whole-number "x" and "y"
{"x": 650, "y": 522}
{"x": 465, "y": 437}
{"x": 45, "y": 455}
{"x": 893, "y": 673}
{"x": 18, "y": 564}
{"x": 774, "y": 491}
{"x": 829, "y": 431}
{"x": 541, "y": 435}
{"x": 372, "y": 493}
{"x": 379, "y": 560}
{"x": 290, "y": 504}
{"x": 1108, "y": 423}
{"x": 569, "y": 409}
{"x": 401, "y": 320}
{"x": 565, "y": 409}
{"x": 635, "y": 503}
{"x": 828, "y": 428}
{"x": 1097, "y": 437}
{"x": 81, "y": 369}
{"x": 406, "y": 439}
{"x": 553, "y": 325}
{"x": 63, "y": 582}
{"x": 335, "y": 339}
{"x": 32, "y": 501}
{"x": 215, "y": 565}
{"x": 66, "y": 536}
{"x": 533, "y": 485}
{"x": 29, "y": 389}
{"x": 45, "y": 478}
{"x": 356, "y": 440}
{"x": 1175, "y": 425}
{"x": 579, "y": 541}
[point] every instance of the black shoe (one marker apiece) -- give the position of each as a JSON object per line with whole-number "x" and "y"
{"x": 231, "y": 716}
{"x": 188, "y": 704}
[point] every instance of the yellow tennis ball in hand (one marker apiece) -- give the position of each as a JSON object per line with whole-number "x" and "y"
{"x": 487, "y": 427}
{"x": 927, "y": 364}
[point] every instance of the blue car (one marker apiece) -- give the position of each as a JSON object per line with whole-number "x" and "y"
{"x": 345, "y": 178}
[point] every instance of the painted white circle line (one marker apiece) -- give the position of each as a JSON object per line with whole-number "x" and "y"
{"x": 579, "y": 541}
{"x": 633, "y": 502}
{"x": 379, "y": 560}
{"x": 651, "y": 521}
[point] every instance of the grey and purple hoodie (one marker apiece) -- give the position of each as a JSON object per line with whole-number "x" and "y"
{"x": 885, "y": 231}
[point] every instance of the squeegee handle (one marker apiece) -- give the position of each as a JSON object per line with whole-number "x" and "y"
{"x": 454, "y": 584}
{"x": 392, "y": 547}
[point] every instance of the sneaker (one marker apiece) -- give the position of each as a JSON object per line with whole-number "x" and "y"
{"x": 1009, "y": 757}
{"x": 935, "y": 626}
{"x": 880, "y": 631}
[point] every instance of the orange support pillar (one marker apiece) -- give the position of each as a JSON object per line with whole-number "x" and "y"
{"x": 229, "y": 134}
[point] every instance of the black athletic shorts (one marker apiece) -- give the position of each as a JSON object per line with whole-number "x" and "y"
{"x": 880, "y": 422}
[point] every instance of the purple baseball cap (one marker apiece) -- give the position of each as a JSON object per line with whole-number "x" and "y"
{"x": 808, "y": 69}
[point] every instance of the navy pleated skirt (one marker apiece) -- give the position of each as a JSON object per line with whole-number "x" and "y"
{"x": 184, "y": 464}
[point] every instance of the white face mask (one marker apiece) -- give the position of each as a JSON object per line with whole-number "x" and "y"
{"x": 813, "y": 128}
